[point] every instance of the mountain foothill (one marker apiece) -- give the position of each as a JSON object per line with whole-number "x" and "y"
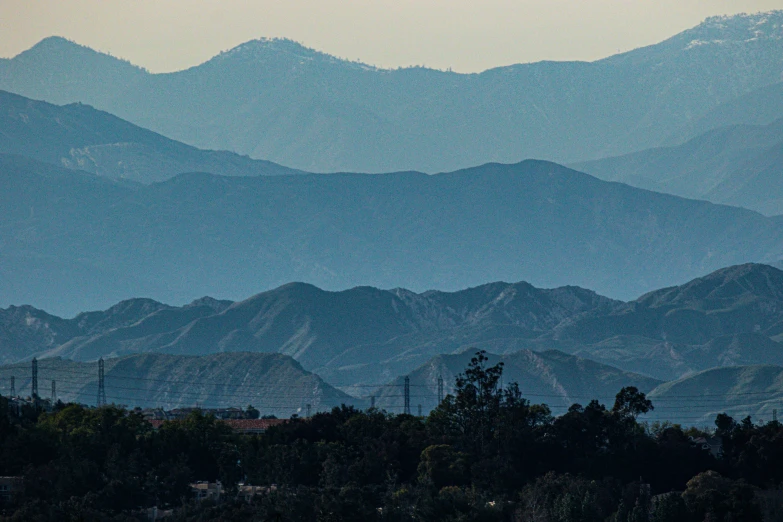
{"x": 561, "y": 345}
{"x": 648, "y": 261}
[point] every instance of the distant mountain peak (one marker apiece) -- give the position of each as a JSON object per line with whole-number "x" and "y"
{"x": 263, "y": 49}
{"x": 751, "y": 280}
{"x": 738, "y": 28}
{"x": 58, "y": 47}
{"x": 57, "y": 42}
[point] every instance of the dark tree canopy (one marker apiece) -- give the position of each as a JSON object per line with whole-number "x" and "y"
{"x": 485, "y": 453}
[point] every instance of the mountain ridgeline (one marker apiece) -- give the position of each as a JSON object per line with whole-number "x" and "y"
{"x": 714, "y": 340}
{"x": 277, "y": 100}
{"x": 75, "y": 241}
{"x": 273, "y": 383}
{"x": 364, "y": 328}
{"x": 549, "y": 377}
{"x": 95, "y": 208}
{"x": 79, "y": 137}
{"x": 368, "y": 336}
{"x": 736, "y": 165}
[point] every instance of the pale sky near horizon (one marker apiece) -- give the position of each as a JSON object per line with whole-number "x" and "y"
{"x": 467, "y": 36}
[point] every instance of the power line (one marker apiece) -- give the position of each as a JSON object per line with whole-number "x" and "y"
{"x": 726, "y": 402}
{"x": 702, "y": 401}
{"x": 115, "y": 375}
{"x": 674, "y": 419}
{"x": 184, "y": 393}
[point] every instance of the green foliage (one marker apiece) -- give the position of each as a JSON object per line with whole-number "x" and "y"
{"x": 710, "y": 496}
{"x": 630, "y": 402}
{"x": 441, "y": 466}
{"x": 485, "y": 454}
{"x": 565, "y": 498}
{"x": 669, "y": 507}
{"x": 251, "y": 412}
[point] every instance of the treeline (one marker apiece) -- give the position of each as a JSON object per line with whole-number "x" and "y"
{"x": 484, "y": 454}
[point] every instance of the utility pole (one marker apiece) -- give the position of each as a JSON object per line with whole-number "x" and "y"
{"x": 13, "y": 386}
{"x": 34, "y": 391}
{"x": 440, "y": 389}
{"x": 372, "y": 401}
{"x": 54, "y": 392}
{"x": 407, "y": 406}
{"x": 101, "y": 385}
{"x": 307, "y": 409}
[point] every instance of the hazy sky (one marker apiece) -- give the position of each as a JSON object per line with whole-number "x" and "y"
{"x": 466, "y": 35}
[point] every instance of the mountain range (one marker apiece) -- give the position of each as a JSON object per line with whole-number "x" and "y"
{"x": 759, "y": 107}
{"x": 730, "y": 317}
{"x": 737, "y": 165}
{"x": 549, "y": 377}
{"x": 274, "y": 384}
{"x": 364, "y": 336}
{"x": 277, "y": 100}
{"x": 72, "y": 241}
{"x": 674, "y": 138}
{"x": 79, "y": 137}
{"x": 704, "y": 347}
{"x": 740, "y": 391}
{"x": 354, "y": 336}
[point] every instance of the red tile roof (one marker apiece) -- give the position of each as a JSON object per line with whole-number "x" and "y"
{"x": 253, "y": 424}
{"x": 237, "y": 424}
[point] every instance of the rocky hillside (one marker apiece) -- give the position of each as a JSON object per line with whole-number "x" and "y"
{"x": 737, "y": 390}
{"x": 730, "y": 317}
{"x": 79, "y": 137}
{"x": 273, "y": 383}
{"x": 371, "y": 336}
{"x": 550, "y": 377}
{"x": 363, "y": 333}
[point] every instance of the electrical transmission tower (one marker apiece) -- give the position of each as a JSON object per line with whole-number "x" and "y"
{"x": 34, "y": 385}
{"x": 101, "y": 385}
{"x": 440, "y": 389}
{"x": 13, "y": 386}
{"x": 407, "y": 408}
{"x": 54, "y": 392}
{"x": 307, "y": 409}
{"x": 372, "y": 401}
